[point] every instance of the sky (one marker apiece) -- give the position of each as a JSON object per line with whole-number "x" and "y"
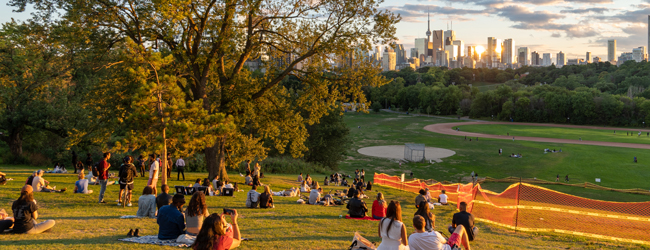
{"x": 545, "y": 26}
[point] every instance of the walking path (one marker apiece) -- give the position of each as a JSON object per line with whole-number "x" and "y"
{"x": 447, "y": 128}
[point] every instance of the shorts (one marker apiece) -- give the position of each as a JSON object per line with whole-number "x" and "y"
{"x": 152, "y": 182}
{"x": 126, "y": 186}
{"x": 454, "y": 240}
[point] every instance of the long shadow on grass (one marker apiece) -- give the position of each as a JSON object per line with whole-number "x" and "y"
{"x": 88, "y": 241}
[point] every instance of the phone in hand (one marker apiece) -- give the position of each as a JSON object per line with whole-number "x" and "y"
{"x": 228, "y": 211}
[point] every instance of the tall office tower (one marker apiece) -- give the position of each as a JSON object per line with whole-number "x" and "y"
{"x": 588, "y": 57}
{"x": 648, "y": 32}
{"x": 546, "y": 59}
{"x": 523, "y": 56}
{"x": 508, "y": 53}
{"x": 471, "y": 52}
{"x": 421, "y": 45}
{"x": 437, "y": 41}
{"x": 639, "y": 54}
{"x": 535, "y": 60}
{"x": 561, "y": 59}
{"x": 453, "y": 52}
{"x": 414, "y": 52}
{"x": 611, "y": 51}
{"x": 443, "y": 58}
{"x": 449, "y": 35}
{"x": 461, "y": 48}
{"x": 389, "y": 60}
{"x": 493, "y": 52}
{"x": 400, "y": 54}
{"x": 490, "y": 48}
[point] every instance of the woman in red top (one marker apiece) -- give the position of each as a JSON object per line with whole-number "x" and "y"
{"x": 216, "y": 234}
{"x": 379, "y": 207}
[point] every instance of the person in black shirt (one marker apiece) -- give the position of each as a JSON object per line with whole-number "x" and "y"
{"x": 356, "y": 207}
{"x": 75, "y": 159}
{"x": 352, "y": 192}
{"x": 141, "y": 163}
{"x": 466, "y": 219}
{"x": 25, "y": 214}
{"x": 164, "y": 198}
{"x": 89, "y": 162}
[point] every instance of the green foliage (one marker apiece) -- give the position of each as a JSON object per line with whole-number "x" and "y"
{"x": 289, "y": 165}
{"x": 328, "y": 140}
{"x": 376, "y": 107}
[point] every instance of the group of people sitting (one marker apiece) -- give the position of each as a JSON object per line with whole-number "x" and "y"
{"x": 516, "y": 155}
{"x": 546, "y": 150}
{"x": 58, "y": 169}
{"x": 25, "y": 213}
{"x": 39, "y": 184}
{"x": 263, "y": 200}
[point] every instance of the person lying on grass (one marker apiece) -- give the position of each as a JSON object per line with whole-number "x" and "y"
{"x": 81, "y": 186}
{"x": 171, "y": 222}
{"x": 195, "y": 213}
{"x": 217, "y": 234}
{"x": 147, "y": 203}
{"x": 6, "y": 222}
{"x": 26, "y": 214}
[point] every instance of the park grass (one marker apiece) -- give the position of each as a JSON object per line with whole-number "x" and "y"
{"x": 82, "y": 223}
{"x": 605, "y": 135}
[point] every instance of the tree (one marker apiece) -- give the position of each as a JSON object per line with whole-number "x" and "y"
{"x": 211, "y": 41}
{"x": 328, "y": 140}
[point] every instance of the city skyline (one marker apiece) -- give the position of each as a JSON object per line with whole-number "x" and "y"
{"x": 547, "y": 26}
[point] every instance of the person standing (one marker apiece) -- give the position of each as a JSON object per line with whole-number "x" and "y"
{"x": 500, "y": 151}
{"x": 557, "y": 178}
{"x": 102, "y": 168}
{"x": 180, "y": 168}
{"x": 362, "y": 174}
{"x": 153, "y": 173}
{"x": 566, "y": 178}
{"x": 75, "y": 159}
{"x": 256, "y": 170}
{"x": 169, "y": 165}
{"x": 89, "y": 162}
{"x": 141, "y": 163}
{"x": 127, "y": 174}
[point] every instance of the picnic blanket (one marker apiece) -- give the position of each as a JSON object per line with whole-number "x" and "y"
{"x": 364, "y": 218}
{"x": 153, "y": 239}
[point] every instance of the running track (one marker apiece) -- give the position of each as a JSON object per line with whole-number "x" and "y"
{"x": 447, "y": 128}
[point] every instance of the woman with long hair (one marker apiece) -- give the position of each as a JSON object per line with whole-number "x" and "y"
{"x": 195, "y": 213}
{"x": 26, "y": 214}
{"x": 266, "y": 198}
{"x": 391, "y": 229}
{"x": 423, "y": 210}
{"x": 217, "y": 234}
{"x": 379, "y": 207}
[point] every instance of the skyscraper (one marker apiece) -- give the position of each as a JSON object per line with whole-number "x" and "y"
{"x": 450, "y": 36}
{"x": 493, "y": 52}
{"x": 648, "y": 32}
{"x": 436, "y": 43}
{"x": 561, "y": 59}
{"x": 639, "y": 54}
{"x": 508, "y": 53}
{"x": 388, "y": 59}
{"x": 546, "y": 59}
{"x": 421, "y": 46}
{"x": 428, "y": 28}
{"x": 535, "y": 60}
{"x": 611, "y": 51}
{"x": 400, "y": 54}
{"x": 523, "y": 56}
{"x": 461, "y": 48}
{"x": 414, "y": 53}
{"x": 588, "y": 57}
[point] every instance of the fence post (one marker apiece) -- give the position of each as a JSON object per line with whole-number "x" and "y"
{"x": 517, "y": 207}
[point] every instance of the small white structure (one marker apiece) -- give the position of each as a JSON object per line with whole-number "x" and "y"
{"x": 414, "y": 152}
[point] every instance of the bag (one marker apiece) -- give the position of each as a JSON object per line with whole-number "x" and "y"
{"x": 253, "y": 204}
{"x": 126, "y": 176}
{"x": 186, "y": 239}
{"x": 358, "y": 242}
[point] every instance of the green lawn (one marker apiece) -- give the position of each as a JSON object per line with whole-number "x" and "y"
{"x": 605, "y": 135}
{"x": 81, "y": 223}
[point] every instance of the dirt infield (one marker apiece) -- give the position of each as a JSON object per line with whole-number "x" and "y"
{"x": 397, "y": 152}
{"x": 447, "y": 128}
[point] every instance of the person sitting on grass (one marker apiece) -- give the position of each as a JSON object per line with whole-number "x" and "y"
{"x": 423, "y": 240}
{"x": 248, "y": 180}
{"x": 356, "y": 207}
{"x": 26, "y": 214}
{"x": 369, "y": 186}
{"x": 308, "y": 180}
{"x": 379, "y": 207}
{"x": 30, "y": 179}
{"x": 6, "y": 222}
{"x": 304, "y": 188}
{"x": 252, "y": 198}
{"x": 423, "y": 210}
{"x": 217, "y": 234}
{"x": 163, "y": 198}
{"x": 442, "y": 198}
{"x": 300, "y": 179}
{"x": 344, "y": 182}
{"x": 326, "y": 182}
{"x": 81, "y": 186}
{"x": 195, "y": 213}
{"x": 351, "y": 192}
{"x": 40, "y": 184}
{"x": 147, "y": 203}
{"x": 465, "y": 219}
{"x": 314, "y": 195}
{"x": 392, "y": 230}
{"x": 171, "y": 222}
{"x": 266, "y": 198}
{"x": 208, "y": 185}
{"x": 197, "y": 183}
{"x": 420, "y": 198}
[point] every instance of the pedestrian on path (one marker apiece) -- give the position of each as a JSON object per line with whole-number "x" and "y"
{"x": 513, "y": 138}
{"x": 566, "y": 178}
{"x": 500, "y": 151}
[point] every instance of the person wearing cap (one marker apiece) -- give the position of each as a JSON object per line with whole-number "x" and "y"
{"x": 171, "y": 222}
{"x": 25, "y": 214}
{"x": 39, "y": 184}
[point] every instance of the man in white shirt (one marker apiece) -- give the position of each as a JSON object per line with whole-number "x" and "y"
{"x": 180, "y": 167}
{"x": 442, "y": 198}
{"x": 421, "y": 240}
{"x": 154, "y": 169}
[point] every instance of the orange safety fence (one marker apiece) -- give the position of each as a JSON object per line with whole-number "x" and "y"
{"x": 531, "y": 208}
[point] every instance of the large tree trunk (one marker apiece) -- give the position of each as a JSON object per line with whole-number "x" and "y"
{"x": 215, "y": 159}
{"x": 164, "y": 158}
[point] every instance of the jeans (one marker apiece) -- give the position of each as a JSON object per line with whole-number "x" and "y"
{"x": 377, "y": 217}
{"x": 102, "y": 190}
{"x": 41, "y": 227}
{"x": 180, "y": 171}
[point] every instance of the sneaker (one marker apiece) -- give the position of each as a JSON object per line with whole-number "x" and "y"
{"x": 102, "y": 202}
{"x": 129, "y": 205}
{"x": 119, "y": 204}
{"x": 137, "y": 232}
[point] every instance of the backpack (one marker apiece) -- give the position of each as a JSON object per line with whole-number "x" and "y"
{"x": 95, "y": 170}
{"x": 253, "y": 204}
{"x": 126, "y": 176}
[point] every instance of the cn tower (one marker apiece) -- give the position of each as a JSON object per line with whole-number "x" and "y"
{"x": 429, "y": 27}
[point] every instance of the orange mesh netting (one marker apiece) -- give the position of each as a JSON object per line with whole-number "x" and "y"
{"x": 527, "y": 207}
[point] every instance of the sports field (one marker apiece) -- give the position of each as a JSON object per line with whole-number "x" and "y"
{"x": 82, "y": 223}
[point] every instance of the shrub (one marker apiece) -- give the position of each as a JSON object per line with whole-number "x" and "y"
{"x": 288, "y": 165}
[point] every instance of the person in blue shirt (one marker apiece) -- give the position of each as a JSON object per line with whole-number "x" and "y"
{"x": 81, "y": 186}
{"x": 171, "y": 221}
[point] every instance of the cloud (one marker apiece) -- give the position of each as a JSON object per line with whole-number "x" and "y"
{"x": 638, "y": 35}
{"x": 544, "y": 20}
{"x": 522, "y": 14}
{"x": 585, "y": 11}
{"x": 639, "y": 15}
{"x": 556, "y": 34}
{"x": 591, "y": 1}
{"x": 571, "y": 30}
{"x": 416, "y": 12}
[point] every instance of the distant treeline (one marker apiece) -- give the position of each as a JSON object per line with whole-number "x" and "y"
{"x": 598, "y": 93}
